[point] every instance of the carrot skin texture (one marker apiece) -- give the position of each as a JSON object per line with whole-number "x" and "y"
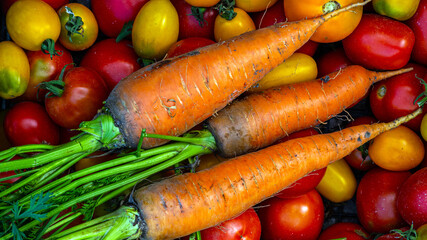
{"x": 194, "y": 201}
{"x": 260, "y": 119}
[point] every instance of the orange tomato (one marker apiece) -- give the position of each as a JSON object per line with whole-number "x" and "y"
{"x": 225, "y": 29}
{"x": 202, "y": 3}
{"x": 254, "y": 6}
{"x": 334, "y": 29}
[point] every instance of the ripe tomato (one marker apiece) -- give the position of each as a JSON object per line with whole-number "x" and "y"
{"x": 83, "y": 94}
{"x": 347, "y": 230}
{"x": 404, "y": 233}
{"x": 55, "y": 4}
{"x": 332, "y": 61}
{"x": 292, "y": 218}
{"x": 28, "y": 123}
{"x": 423, "y": 127}
{"x": 412, "y": 200}
{"x": 396, "y": 9}
{"x": 113, "y": 61}
{"x": 79, "y": 29}
{"x": 308, "y": 48}
{"x": 376, "y": 200}
{"x": 379, "y": 42}
{"x": 225, "y": 29}
{"x": 418, "y": 26}
{"x": 398, "y": 149}
{"x": 422, "y": 232}
{"x": 202, "y": 3}
{"x": 270, "y": 16}
{"x": 334, "y": 29}
{"x": 254, "y": 6}
{"x": 187, "y": 45}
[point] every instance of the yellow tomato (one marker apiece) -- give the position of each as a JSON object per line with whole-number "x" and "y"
{"x": 225, "y": 29}
{"x": 399, "y": 149}
{"x": 202, "y": 3}
{"x": 422, "y": 232}
{"x": 254, "y": 5}
{"x": 14, "y": 70}
{"x": 334, "y": 29}
{"x": 31, "y": 22}
{"x": 423, "y": 128}
{"x": 397, "y": 9}
{"x": 339, "y": 183}
{"x": 299, "y": 67}
{"x": 155, "y": 29}
{"x": 79, "y": 29}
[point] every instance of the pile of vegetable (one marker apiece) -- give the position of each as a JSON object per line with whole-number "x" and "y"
{"x": 167, "y": 119}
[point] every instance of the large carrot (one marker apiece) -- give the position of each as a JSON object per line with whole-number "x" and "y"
{"x": 194, "y": 201}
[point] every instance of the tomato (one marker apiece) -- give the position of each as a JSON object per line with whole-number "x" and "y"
{"x": 188, "y": 45}
{"x": 332, "y": 61}
{"x": 398, "y": 149}
{"x": 225, "y": 29}
{"x": 423, "y": 127}
{"x": 422, "y": 232}
{"x": 4, "y": 143}
{"x": 396, "y": 9}
{"x": 195, "y": 21}
{"x": 111, "y": 15}
{"x": 14, "y": 71}
{"x": 404, "y": 233}
{"x": 202, "y": 3}
{"x": 418, "y": 26}
{"x": 28, "y": 123}
{"x": 39, "y": 20}
{"x": 301, "y": 133}
{"x": 79, "y": 28}
{"x": 83, "y": 94}
{"x": 254, "y": 6}
{"x": 395, "y": 96}
{"x": 334, "y": 29}
{"x": 347, "y": 230}
{"x": 379, "y": 42}
{"x": 43, "y": 68}
{"x": 412, "y": 200}
{"x": 111, "y": 60}
{"x": 303, "y": 185}
{"x": 308, "y": 48}
{"x": 339, "y": 183}
{"x": 292, "y": 218}
{"x": 376, "y": 200}
{"x": 155, "y": 29}
{"x": 55, "y": 4}
{"x": 269, "y": 16}
{"x": 424, "y": 162}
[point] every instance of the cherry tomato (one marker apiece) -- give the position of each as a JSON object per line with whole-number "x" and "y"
{"x": 398, "y": 234}
{"x": 379, "y": 42}
{"x": 334, "y": 29}
{"x": 202, "y": 3}
{"x": 270, "y": 16}
{"x": 28, "y": 123}
{"x": 423, "y": 127}
{"x": 302, "y": 133}
{"x": 398, "y": 149}
{"x": 225, "y": 29}
{"x": 79, "y": 28}
{"x": 412, "y": 200}
{"x": 55, "y": 4}
{"x": 396, "y": 9}
{"x": 376, "y": 200}
{"x": 332, "y": 61}
{"x": 418, "y": 26}
{"x": 111, "y": 60}
{"x": 188, "y": 45}
{"x": 292, "y": 218}
{"x": 422, "y": 232}
{"x": 308, "y": 48}
{"x": 254, "y": 6}
{"x": 341, "y": 230}
{"x": 83, "y": 95}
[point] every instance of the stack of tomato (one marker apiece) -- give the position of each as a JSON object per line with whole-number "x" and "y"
{"x": 59, "y": 60}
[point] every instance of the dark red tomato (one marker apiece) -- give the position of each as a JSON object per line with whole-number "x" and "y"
{"x": 83, "y": 94}
{"x": 292, "y": 218}
{"x": 66, "y": 134}
{"x": 302, "y": 133}
{"x": 379, "y": 42}
{"x": 394, "y": 97}
{"x": 359, "y": 159}
{"x": 397, "y": 234}
{"x": 270, "y": 16}
{"x": 376, "y": 198}
{"x": 412, "y": 198}
{"x": 28, "y": 123}
{"x": 418, "y": 24}
{"x": 195, "y": 22}
{"x": 332, "y": 61}
{"x": 341, "y": 230}
{"x": 308, "y": 48}
{"x": 113, "y": 61}
{"x": 112, "y": 15}
{"x": 188, "y": 45}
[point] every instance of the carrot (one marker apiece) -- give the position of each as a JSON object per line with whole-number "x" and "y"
{"x": 260, "y": 119}
{"x": 191, "y": 202}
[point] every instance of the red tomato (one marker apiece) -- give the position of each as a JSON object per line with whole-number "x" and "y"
{"x": 111, "y": 60}
{"x": 188, "y": 45}
{"x": 112, "y": 15}
{"x": 376, "y": 200}
{"x": 84, "y": 93}
{"x": 398, "y": 234}
{"x": 379, "y": 42}
{"x": 28, "y": 123}
{"x": 418, "y": 24}
{"x": 308, "y": 48}
{"x": 292, "y": 218}
{"x": 347, "y": 230}
{"x": 412, "y": 200}
{"x": 332, "y": 61}
{"x": 302, "y": 133}
{"x": 270, "y": 16}
{"x": 394, "y": 97}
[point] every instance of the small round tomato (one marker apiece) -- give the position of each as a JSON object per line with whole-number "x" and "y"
{"x": 303, "y": 185}
{"x": 292, "y": 218}
{"x": 334, "y": 29}
{"x": 396, "y": 9}
{"x": 332, "y": 61}
{"x": 347, "y": 230}
{"x": 28, "y": 123}
{"x": 270, "y": 16}
{"x": 202, "y": 3}
{"x": 188, "y": 45}
{"x": 308, "y": 48}
{"x": 422, "y": 232}
{"x": 404, "y": 233}
{"x": 254, "y": 6}
{"x": 227, "y": 28}
{"x": 79, "y": 28}
{"x": 423, "y": 127}
{"x": 418, "y": 26}
{"x": 398, "y": 149}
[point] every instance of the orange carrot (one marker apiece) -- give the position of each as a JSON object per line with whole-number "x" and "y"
{"x": 260, "y": 119}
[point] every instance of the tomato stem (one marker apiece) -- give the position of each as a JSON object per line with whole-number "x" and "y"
{"x": 74, "y": 25}
{"x": 48, "y": 47}
{"x": 330, "y": 7}
{"x": 423, "y": 95}
{"x": 126, "y": 31}
{"x": 226, "y": 9}
{"x": 197, "y": 12}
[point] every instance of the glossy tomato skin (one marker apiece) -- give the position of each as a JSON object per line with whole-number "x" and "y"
{"x": 347, "y": 230}
{"x": 394, "y": 235}
{"x": 112, "y": 15}
{"x": 84, "y": 93}
{"x": 379, "y": 42}
{"x": 270, "y": 16}
{"x": 111, "y": 60}
{"x": 292, "y": 218}
{"x": 332, "y": 61}
{"x": 376, "y": 200}
{"x": 225, "y": 29}
{"x": 417, "y": 24}
{"x": 28, "y": 123}
{"x": 187, "y": 45}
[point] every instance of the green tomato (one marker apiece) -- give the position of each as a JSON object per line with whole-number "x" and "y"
{"x": 396, "y": 9}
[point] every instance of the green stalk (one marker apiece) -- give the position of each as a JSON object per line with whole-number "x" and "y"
{"x": 7, "y": 154}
